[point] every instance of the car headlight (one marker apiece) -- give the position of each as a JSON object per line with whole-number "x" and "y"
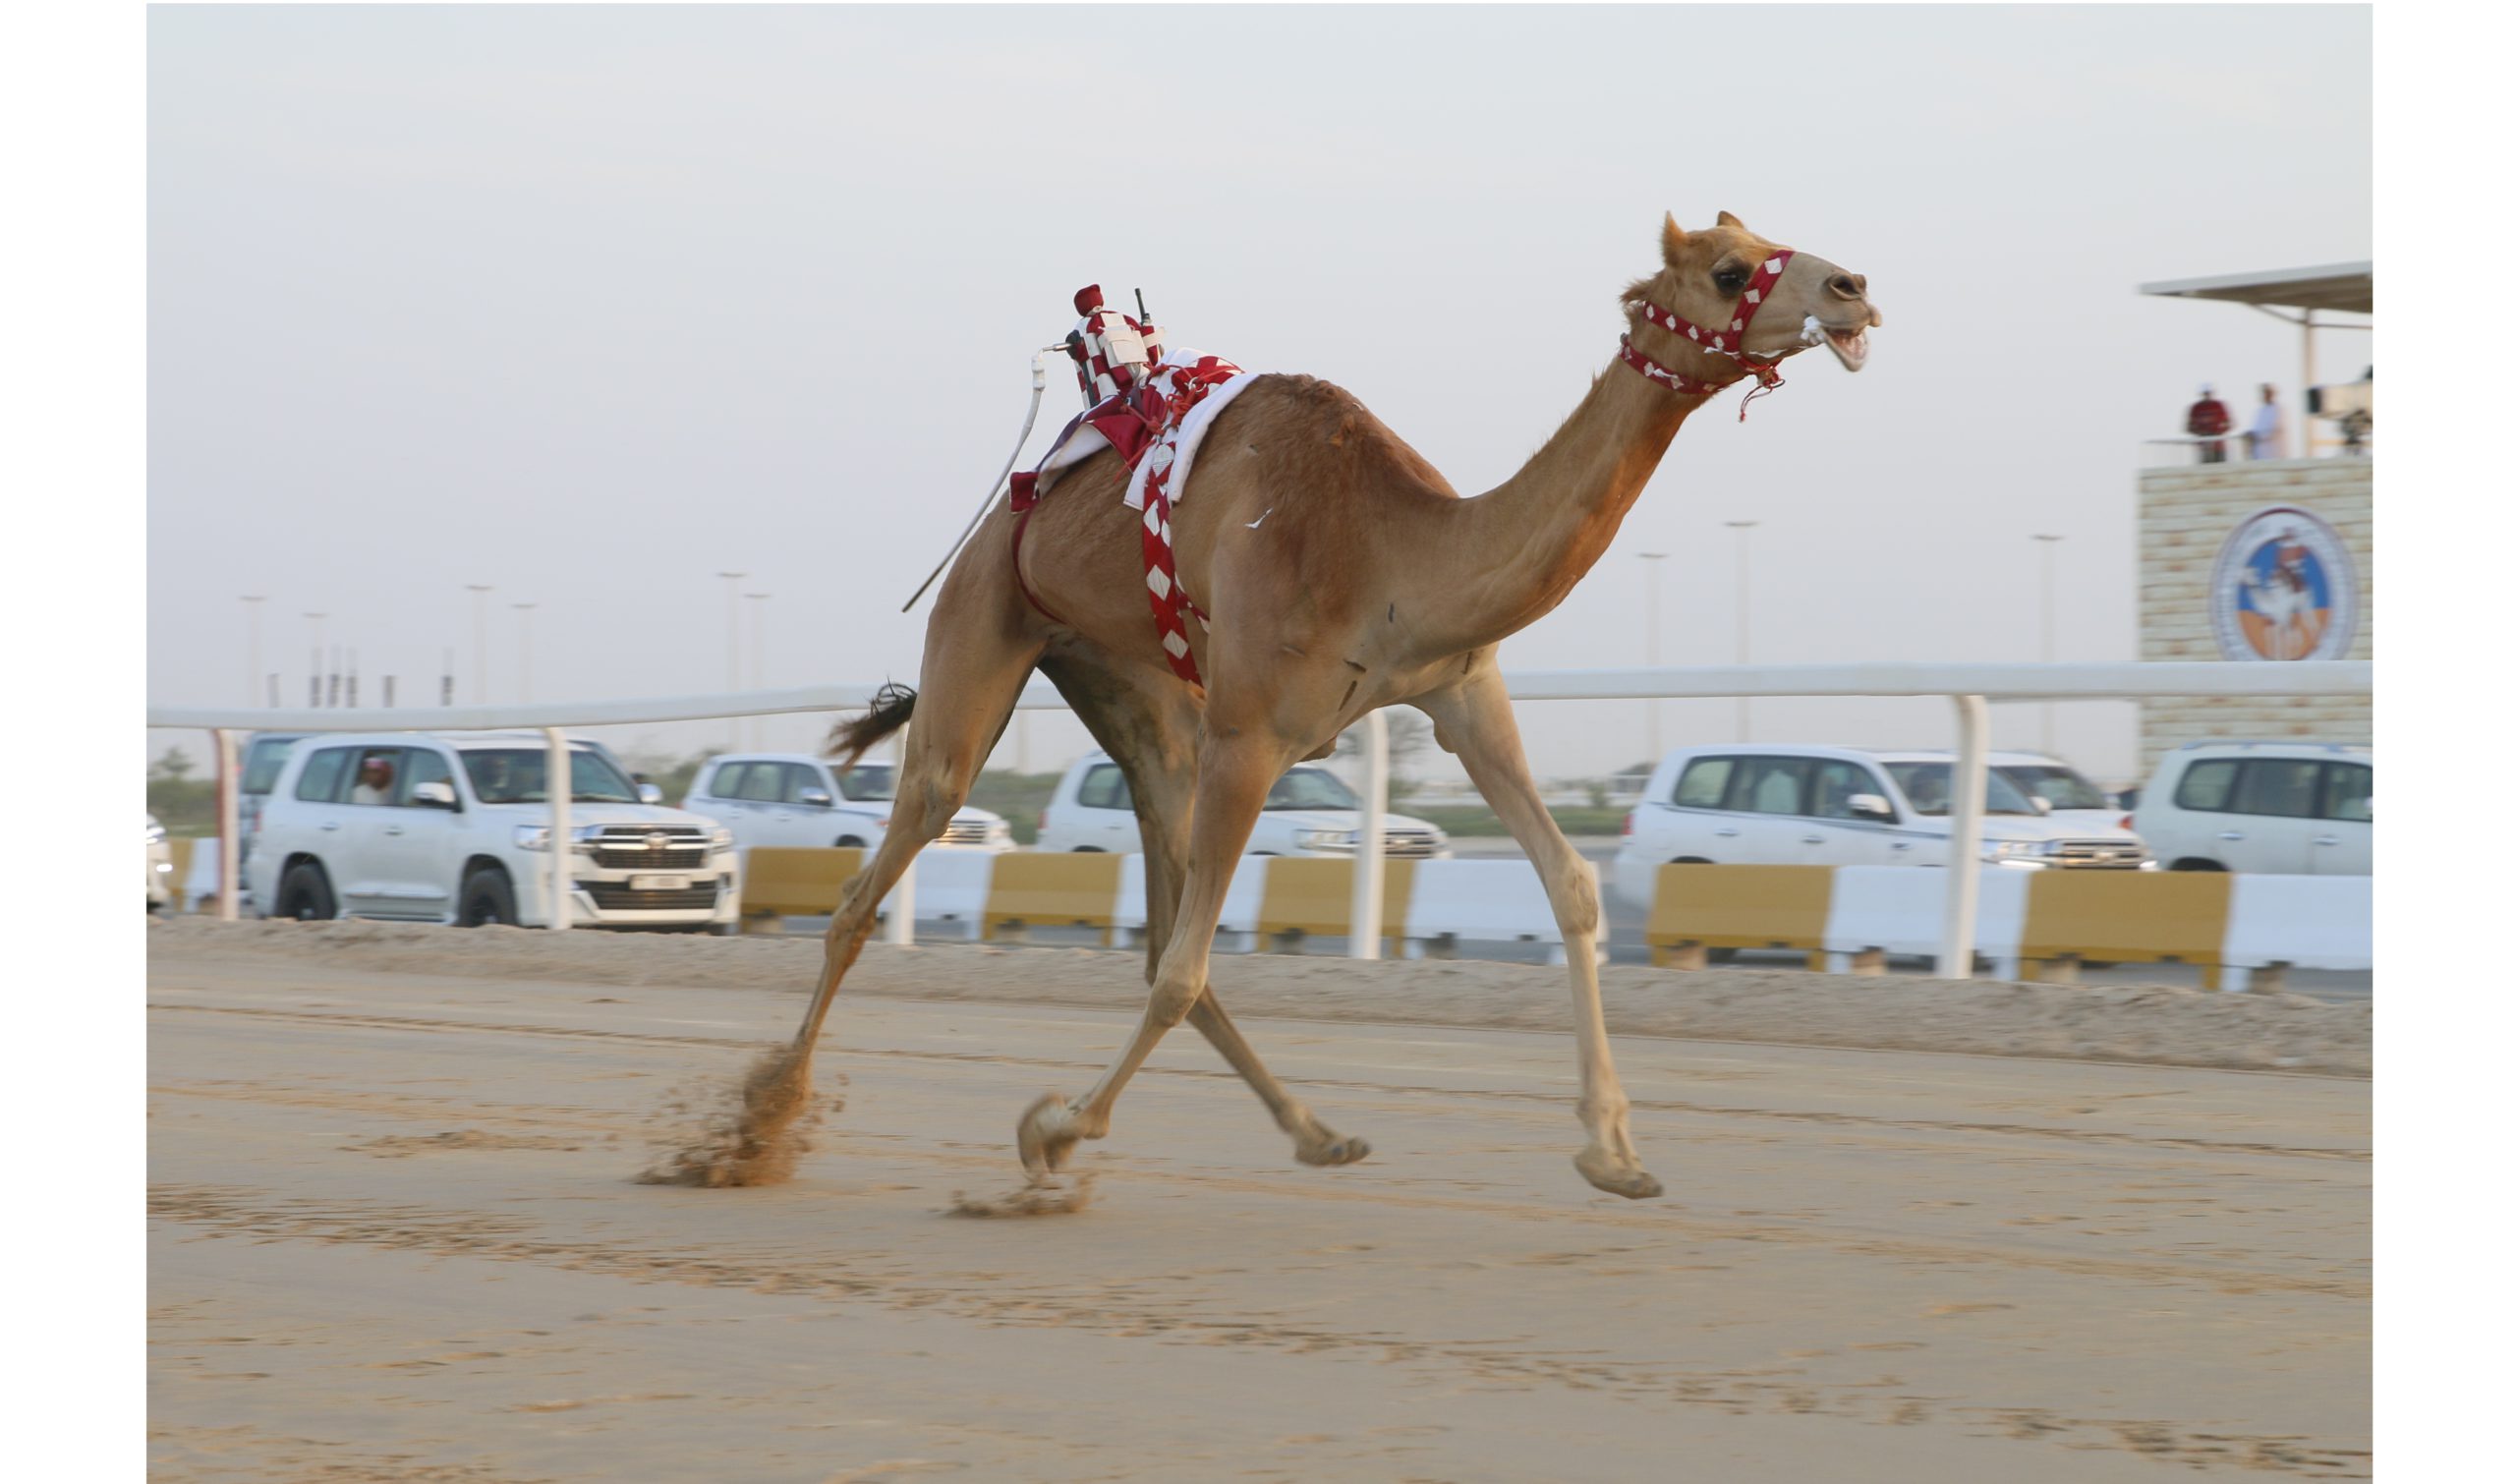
{"x": 1000, "y": 831}
{"x": 533, "y": 837}
{"x": 157, "y": 834}
{"x": 721, "y": 838}
{"x": 1325, "y": 840}
{"x": 2010, "y": 851}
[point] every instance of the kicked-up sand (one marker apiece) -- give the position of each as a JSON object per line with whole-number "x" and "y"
{"x": 397, "y": 1229}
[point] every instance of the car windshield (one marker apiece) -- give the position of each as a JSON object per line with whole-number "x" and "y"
{"x": 867, "y": 781}
{"x": 262, "y": 763}
{"x": 2058, "y": 786}
{"x": 1309, "y": 788}
{"x": 1925, "y": 786}
{"x": 519, "y": 775}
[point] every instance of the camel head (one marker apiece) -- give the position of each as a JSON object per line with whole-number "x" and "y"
{"x": 1704, "y": 273}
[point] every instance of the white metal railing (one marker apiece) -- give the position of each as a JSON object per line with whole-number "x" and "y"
{"x": 1970, "y": 687}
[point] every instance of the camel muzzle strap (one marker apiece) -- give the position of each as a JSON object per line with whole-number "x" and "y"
{"x": 1728, "y": 341}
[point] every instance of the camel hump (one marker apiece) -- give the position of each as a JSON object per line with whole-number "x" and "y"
{"x": 1294, "y": 424}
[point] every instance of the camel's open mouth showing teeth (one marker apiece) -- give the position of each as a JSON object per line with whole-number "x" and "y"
{"x": 1851, "y": 347}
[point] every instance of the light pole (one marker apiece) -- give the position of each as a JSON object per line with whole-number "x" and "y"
{"x": 1652, "y": 649}
{"x": 253, "y": 647}
{"x": 758, "y": 657}
{"x": 480, "y": 592}
{"x": 734, "y": 644}
{"x": 1742, "y": 528}
{"x": 2048, "y": 542}
{"x": 524, "y": 649}
{"x": 314, "y": 678}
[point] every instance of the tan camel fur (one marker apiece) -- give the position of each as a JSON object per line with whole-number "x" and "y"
{"x": 1341, "y": 573}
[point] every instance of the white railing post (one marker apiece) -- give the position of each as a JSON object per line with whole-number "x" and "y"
{"x": 901, "y": 927}
{"x": 230, "y": 848}
{"x": 563, "y": 849}
{"x": 1969, "y": 777}
{"x": 1365, "y": 942}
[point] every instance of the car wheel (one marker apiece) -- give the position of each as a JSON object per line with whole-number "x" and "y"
{"x": 850, "y": 842}
{"x": 305, "y": 894}
{"x": 489, "y": 899}
{"x": 2195, "y": 863}
{"x": 1090, "y": 850}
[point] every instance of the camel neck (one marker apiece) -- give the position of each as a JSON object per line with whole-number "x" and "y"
{"x": 1526, "y": 542}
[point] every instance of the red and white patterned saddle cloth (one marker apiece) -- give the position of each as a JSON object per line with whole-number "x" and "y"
{"x": 1155, "y": 422}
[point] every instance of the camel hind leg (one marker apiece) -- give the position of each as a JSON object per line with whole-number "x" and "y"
{"x": 971, "y": 688}
{"x": 967, "y": 700}
{"x": 1149, "y": 731}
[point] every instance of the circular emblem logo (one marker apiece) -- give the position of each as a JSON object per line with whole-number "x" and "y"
{"x": 2283, "y": 589}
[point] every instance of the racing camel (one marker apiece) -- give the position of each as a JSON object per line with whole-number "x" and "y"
{"x": 1340, "y": 573}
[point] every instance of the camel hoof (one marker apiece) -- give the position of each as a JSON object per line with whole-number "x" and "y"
{"x": 1331, "y": 1150}
{"x": 1616, "y": 1177}
{"x": 1046, "y": 1134}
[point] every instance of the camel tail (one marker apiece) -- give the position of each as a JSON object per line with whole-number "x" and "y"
{"x": 849, "y": 740}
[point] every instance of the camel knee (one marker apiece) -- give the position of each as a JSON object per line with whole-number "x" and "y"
{"x": 1173, "y": 999}
{"x": 1576, "y": 912}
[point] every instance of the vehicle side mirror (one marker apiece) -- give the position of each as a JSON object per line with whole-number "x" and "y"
{"x": 435, "y": 795}
{"x": 813, "y": 798}
{"x": 1870, "y": 806}
{"x": 2043, "y": 804}
{"x": 649, "y": 793}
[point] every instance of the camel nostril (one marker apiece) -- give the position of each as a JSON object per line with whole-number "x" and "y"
{"x": 1848, "y": 285}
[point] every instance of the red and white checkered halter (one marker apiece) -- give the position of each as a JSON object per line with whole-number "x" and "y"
{"x": 1728, "y": 341}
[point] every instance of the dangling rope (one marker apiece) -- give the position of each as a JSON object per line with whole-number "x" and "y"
{"x": 1039, "y": 384}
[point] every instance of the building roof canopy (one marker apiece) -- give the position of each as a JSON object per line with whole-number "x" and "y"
{"x": 2350, "y": 287}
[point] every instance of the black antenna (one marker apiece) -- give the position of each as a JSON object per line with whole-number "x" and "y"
{"x": 1143, "y": 315}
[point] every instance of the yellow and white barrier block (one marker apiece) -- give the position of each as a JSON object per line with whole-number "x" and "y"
{"x": 1029, "y": 889}
{"x": 1695, "y": 908}
{"x": 2243, "y": 930}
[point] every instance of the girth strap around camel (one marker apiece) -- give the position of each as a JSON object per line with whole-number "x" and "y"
{"x": 1154, "y": 410}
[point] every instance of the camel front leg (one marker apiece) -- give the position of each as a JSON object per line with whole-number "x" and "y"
{"x": 1475, "y": 722}
{"x": 1234, "y": 776}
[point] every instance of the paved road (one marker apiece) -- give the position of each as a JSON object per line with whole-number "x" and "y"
{"x": 393, "y": 1237}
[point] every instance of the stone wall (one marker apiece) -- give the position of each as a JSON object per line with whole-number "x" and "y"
{"x": 2186, "y": 514}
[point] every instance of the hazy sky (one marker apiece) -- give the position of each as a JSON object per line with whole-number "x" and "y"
{"x": 592, "y": 304}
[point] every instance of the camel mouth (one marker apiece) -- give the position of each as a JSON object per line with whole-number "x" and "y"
{"x": 1851, "y": 346}
{"x": 1849, "y": 343}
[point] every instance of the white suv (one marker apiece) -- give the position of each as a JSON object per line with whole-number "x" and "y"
{"x": 430, "y": 829}
{"x": 1307, "y": 813}
{"x": 1756, "y": 804}
{"x": 2282, "y": 808}
{"x": 793, "y": 798}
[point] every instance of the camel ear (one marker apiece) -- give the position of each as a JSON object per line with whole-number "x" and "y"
{"x": 1729, "y": 221}
{"x": 1672, "y": 239}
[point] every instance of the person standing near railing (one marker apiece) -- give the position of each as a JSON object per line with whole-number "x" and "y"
{"x": 2268, "y": 437}
{"x": 2208, "y": 419}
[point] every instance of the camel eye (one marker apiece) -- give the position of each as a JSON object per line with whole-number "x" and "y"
{"x": 1730, "y": 281}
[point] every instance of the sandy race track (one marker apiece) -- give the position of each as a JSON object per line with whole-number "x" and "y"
{"x": 395, "y": 1234}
